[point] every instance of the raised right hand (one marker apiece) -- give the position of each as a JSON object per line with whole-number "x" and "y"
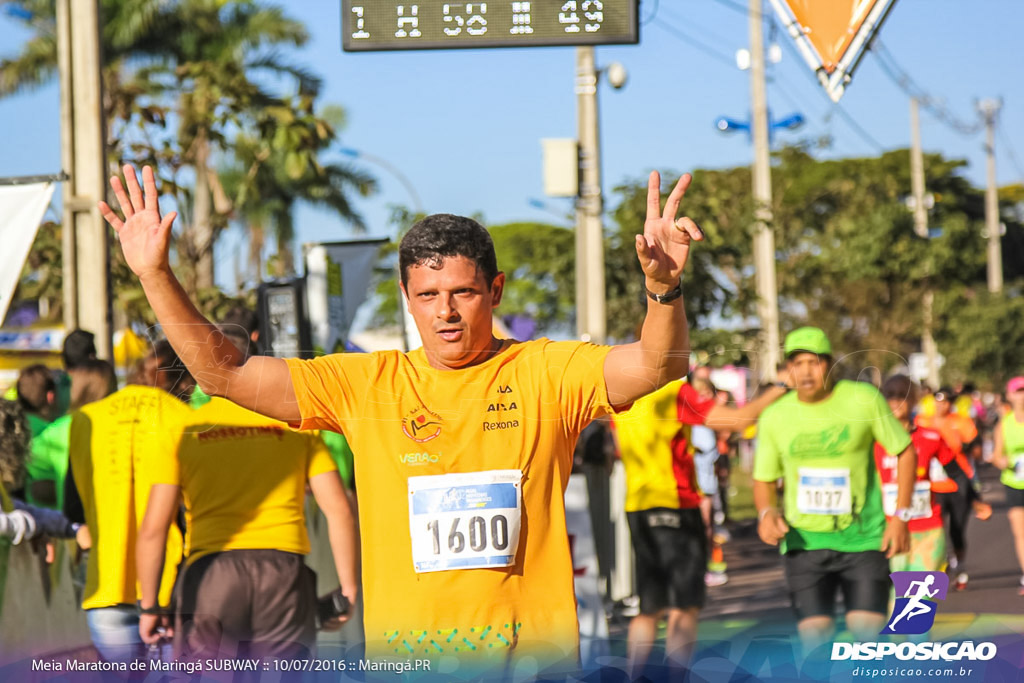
{"x": 145, "y": 237}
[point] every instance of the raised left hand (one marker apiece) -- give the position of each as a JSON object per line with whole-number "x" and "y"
{"x": 665, "y": 245}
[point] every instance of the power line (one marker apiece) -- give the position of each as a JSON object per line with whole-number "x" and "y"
{"x": 835, "y": 108}
{"x": 654, "y": 13}
{"x": 899, "y": 76}
{"x": 677, "y": 20}
{"x": 742, "y": 9}
{"x": 696, "y": 42}
{"x": 1005, "y": 139}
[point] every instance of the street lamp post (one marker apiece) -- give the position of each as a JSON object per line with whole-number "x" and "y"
{"x": 410, "y": 335}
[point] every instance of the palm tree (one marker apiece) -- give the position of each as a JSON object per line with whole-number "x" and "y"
{"x": 182, "y": 78}
{"x": 275, "y": 171}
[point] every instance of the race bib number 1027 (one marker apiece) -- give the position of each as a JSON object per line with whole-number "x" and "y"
{"x": 467, "y": 520}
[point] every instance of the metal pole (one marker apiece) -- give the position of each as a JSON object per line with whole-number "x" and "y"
{"x": 590, "y": 294}
{"x": 928, "y": 346}
{"x": 764, "y": 237}
{"x": 83, "y": 148}
{"x": 990, "y": 109}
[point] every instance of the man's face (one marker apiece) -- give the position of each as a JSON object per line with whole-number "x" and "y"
{"x": 807, "y": 372}
{"x": 942, "y": 404}
{"x": 453, "y": 308}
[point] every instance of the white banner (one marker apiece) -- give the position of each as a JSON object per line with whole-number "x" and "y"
{"x": 21, "y": 209}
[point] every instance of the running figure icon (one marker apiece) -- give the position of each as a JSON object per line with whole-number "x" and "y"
{"x": 915, "y": 605}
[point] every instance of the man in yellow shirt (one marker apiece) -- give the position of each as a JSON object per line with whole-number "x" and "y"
{"x": 246, "y": 591}
{"x": 465, "y": 445}
{"x": 655, "y": 438}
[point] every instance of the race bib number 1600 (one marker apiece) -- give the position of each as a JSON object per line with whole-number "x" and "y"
{"x": 467, "y": 520}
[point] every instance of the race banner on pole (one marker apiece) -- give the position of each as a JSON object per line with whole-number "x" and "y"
{"x": 21, "y": 209}
{"x": 833, "y": 36}
{"x": 337, "y": 281}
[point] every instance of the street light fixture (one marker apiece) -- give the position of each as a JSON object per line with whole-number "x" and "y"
{"x": 410, "y": 335}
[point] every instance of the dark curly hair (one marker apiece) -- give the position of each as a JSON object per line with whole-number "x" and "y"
{"x": 14, "y": 438}
{"x": 442, "y": 235}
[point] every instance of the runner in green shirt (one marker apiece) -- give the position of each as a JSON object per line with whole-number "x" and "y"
{"x": 819, "y": 440}
{"x": 1008, "y": 455}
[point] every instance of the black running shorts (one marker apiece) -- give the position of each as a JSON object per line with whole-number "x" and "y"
{"x": 671, "y": 558}
{"x": 815, "y": 576}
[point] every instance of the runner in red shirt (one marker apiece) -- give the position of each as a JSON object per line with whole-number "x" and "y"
{"x": 927, "y": 536}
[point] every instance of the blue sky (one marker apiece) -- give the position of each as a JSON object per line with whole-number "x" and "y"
{"x": 465, "y": 125}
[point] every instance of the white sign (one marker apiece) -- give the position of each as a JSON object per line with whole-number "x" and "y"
{"x": 21, "y": 209}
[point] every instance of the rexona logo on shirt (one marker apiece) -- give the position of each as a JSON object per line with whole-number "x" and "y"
{"x": 914, "y": 614}
{"x": 421, "y": 425}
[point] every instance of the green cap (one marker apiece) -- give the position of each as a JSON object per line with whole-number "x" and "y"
{"x": 810, "y": 339}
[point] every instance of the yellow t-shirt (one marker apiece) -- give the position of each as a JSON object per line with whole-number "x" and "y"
{"x": 644, "y": 434}
{"x": 521, "y": 411}
{"x": 243, "y": 478}
{"x": 115, "y": 446}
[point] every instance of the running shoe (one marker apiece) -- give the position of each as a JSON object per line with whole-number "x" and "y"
{"x": 961, "y": 581}
{"x": 715, "y": 579}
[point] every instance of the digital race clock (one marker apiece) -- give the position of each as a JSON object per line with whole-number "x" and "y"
{"x": 437, "y": 24}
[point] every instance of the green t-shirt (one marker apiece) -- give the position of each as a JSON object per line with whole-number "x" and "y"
{"x": 1013, "y": 446}
{"x": 823, "y": 452}
{"x": 198, "y": 399}
{"x": 48, "y": 460}
{"x": 341, "y": 453}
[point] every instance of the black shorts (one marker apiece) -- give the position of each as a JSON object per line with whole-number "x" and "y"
{"x": 1014, "y": 497}
{"x": 814, "y": 576}
{"x": 246, "y": 603}
{"x": 671, "y": 548}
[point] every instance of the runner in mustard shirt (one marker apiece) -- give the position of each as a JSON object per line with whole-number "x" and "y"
{"x": 463, "y": 448}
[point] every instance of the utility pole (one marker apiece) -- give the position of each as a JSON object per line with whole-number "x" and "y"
{"x": 85, "y": 234}
{"x": 921, "y": 229}
{"x": 990, "y": 110}
{"x": 590, "y": 294}
{"x": 764, "y": 236}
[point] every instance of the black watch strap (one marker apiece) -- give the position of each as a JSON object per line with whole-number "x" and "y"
{"x": 667, "y": 297}
{"x": 155, "y": 610}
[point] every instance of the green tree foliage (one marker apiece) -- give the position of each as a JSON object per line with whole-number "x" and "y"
{"x": 539, "y": 264}
{"x": 982, "y": 335}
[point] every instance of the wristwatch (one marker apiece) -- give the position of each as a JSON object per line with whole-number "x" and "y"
{"x": 903, "y": 514}
{"x": 667, "y": 297}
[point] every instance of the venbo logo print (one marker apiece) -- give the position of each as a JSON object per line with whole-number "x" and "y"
{"x": 914, "y": 614}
